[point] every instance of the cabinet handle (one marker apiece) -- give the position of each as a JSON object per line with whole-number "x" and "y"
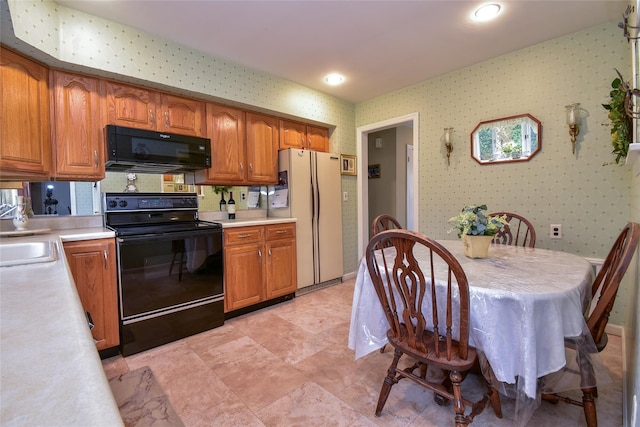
{"x": 309, "y": 142}
{"x": 106, "y": 259}
{"x": 259, "y": 253}
{"x": 89, "y": 320}
{"x": 269, "y": 252}
{"x": 243, "y": 236}
{"x": 281, "y": 231}
{"x": 241, "y": 167}
{"x": 95, "y": 159}
{"x": 250, "y": 167}
{"x": 166, "y": 119}
{"x": 152, "y": 118}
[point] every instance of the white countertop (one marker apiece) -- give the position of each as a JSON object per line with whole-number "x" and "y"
{"x": 51, "y": 370}
{"x": 230, "y": 223}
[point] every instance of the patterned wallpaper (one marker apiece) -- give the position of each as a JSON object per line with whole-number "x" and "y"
{"x": 77, "y": 41}
{"x": 589, "y": 199}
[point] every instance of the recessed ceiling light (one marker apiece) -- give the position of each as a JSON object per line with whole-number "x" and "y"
{"x": 334, "y": 79}
{"x": 486, "y": 12}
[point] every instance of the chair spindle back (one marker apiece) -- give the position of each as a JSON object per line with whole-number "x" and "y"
{"x": 402, "y": 286}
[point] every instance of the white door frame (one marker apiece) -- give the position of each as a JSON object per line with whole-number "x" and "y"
{"x": 362, "y": 138}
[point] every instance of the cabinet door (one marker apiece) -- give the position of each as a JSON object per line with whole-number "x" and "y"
{"x": 131, "y": 106}
{"x": 281, "y": 268}
{"x": 93, "y": 266}
{"x": 243, "y": 272}
{"x": 78, "y": 137}
{"x": 181, "y": 115}
{"x": 262, "y": 149}
{"x": 292, "y": 135}
{"x": 25, "y": 143}
{"x": 318, "y": 139}
{"x": 225, "y": 128}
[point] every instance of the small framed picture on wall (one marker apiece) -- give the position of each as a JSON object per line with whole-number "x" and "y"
{"x": 374, "y": 171}
{"x": 347, "y": 164}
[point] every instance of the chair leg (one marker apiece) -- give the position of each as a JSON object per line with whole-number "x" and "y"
{"x": 173, "y": 260}
{"x": 494, "y": 396}
{"x": 458, "y": 404}
{"x": 180, "y": 266}
{"x": 589, "y": 406}
{"x": 389, "y": 381}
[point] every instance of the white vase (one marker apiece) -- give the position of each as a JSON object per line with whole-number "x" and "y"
{"x": 20, "y": 219}
{"x": 476, "y": 246}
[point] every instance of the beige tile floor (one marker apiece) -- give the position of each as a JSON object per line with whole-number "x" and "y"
{"x": 289, "y": 365}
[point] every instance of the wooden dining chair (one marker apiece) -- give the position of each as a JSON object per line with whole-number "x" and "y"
{"x": 423, "y": 321}
{"x": 518, "y": 232}
{"x": 381, "y": 223}
{"x": 384, "y": 222}
{"x": 606, "y": 285}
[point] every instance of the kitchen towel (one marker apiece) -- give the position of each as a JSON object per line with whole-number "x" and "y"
{"x": 141, "y": 400}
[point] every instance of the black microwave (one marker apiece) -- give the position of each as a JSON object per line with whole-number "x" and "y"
{"x": 145, "y": 151}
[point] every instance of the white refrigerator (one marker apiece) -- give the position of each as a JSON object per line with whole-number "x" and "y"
{"x": 312, "y": 184}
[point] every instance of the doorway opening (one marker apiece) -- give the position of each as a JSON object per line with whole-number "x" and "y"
{"x": 405, "y": 206}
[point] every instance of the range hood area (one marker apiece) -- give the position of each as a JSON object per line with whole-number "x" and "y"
{"x": 145, "y": 151}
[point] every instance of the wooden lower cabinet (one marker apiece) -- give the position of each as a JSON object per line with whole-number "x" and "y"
{"x": 260, "y": 264}
{"x": 94, "y": 269}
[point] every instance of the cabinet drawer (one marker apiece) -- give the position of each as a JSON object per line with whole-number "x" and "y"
{"x": 281, "y": 231}
{"x": 238, "y": 236}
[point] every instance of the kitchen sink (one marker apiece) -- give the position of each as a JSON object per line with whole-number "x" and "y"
{"x": 21, "y": 253}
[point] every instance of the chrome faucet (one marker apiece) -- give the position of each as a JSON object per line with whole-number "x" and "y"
{"x": 8, "y": 211}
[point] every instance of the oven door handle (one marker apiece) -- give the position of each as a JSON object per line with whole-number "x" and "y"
{"x": 167, "y": 236}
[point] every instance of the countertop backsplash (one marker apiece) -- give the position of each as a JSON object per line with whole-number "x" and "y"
{"x": 55, "y": 222}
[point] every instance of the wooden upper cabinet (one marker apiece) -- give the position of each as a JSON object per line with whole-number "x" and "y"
{"x": 318, "y": 138}
{"x": 300, "y": 135}
{"x": 78, "y": 137}
{"x": 25, "y": 142}
{"x": 226, "y": 129}
{"x": 140, "y": 108}
{"x": 292, "y": 135}
{"x": 262, "y": 148}
{"x": 181, "y": 115}
{"x": 131, "y": 106}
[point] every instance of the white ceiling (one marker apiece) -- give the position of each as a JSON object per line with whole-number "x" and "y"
{"x": 380, "y": 46}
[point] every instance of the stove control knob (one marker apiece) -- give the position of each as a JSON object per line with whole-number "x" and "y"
{"x": 123, "y": 203}
{"x": 112, "y": 203}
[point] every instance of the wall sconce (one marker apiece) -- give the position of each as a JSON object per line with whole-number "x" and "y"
{"x": 448, "y": 145}
{"x": 573, "y": 111}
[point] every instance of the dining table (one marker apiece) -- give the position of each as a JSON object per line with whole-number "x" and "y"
{"x": 525, "y": 303}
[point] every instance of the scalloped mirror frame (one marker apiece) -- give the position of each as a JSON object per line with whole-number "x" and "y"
{"x": 505, "y": 151}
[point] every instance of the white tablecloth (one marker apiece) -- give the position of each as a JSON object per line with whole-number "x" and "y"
{"x": 524, "y": 302}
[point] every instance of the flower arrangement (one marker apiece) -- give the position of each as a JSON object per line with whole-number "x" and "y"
{"x": 508, "y": 148}
{"x": 620, "y": 121}
{"x": 472, "y": 221}
{"x": 221, "y": 189}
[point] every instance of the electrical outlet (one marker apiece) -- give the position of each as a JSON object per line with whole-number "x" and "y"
{"x": 555, "y": 231}
{"x": 345, "y": 196}
{"x": 243, "y": 196}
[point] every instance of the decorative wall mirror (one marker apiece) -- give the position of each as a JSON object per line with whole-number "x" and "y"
{"x": 505, "y": 140}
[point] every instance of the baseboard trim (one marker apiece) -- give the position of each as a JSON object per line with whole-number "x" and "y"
{"x": 318, "y": 286}
{"x": 349, "y": 276}
{"x": 626, "y": 398}
{"x": 616, "y": 330}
